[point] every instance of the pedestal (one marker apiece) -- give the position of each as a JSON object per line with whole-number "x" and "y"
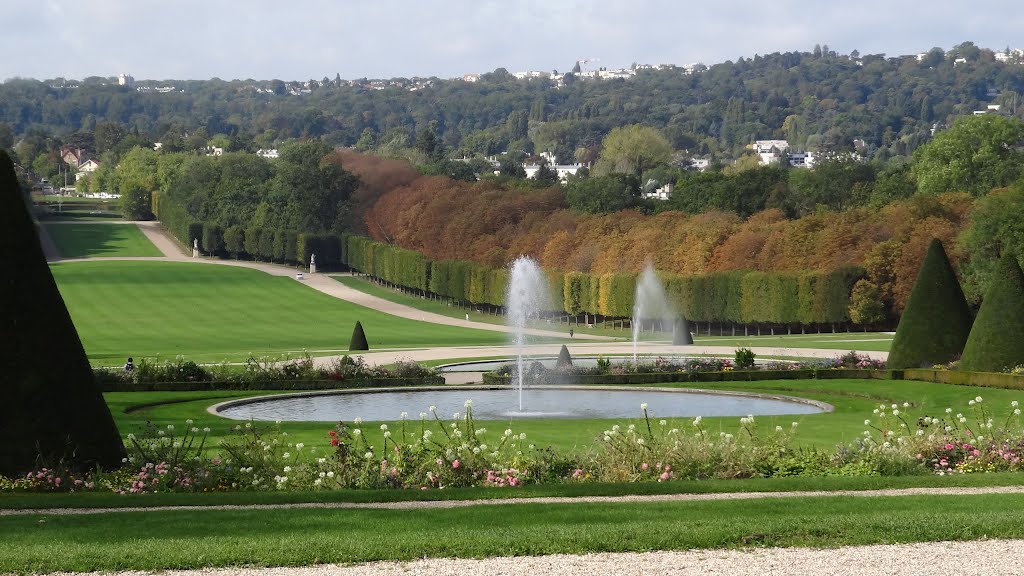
{"x": 195, "y": 252}
{"x": 312, "y": 268}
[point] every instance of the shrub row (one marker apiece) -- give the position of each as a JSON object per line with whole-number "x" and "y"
{"x": 736, "y": 296}
{"x": 111, "y": 385}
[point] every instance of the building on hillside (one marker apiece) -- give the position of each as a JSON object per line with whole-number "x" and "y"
{"x": 770, "y": 151}
{"x": 72, "y": 156}
{"x": 126, "y": 80}
{"x": 269, "y": 153}
{"x": 1010, "y": 55}
{"x": 663, "y": 192}
{"x": 471, "y": 77}
{"x": 87, "y": 168}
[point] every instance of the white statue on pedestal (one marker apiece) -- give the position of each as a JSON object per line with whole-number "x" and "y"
{"x": 195, "y": 247}
{"x": 312, "y": 264}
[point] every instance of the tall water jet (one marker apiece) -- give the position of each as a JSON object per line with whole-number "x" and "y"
{"x": 526, "y": 297}
{"x": 649, "y": 302}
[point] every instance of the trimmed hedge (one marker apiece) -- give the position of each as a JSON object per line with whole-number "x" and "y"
{"x": 936, "y": 321}
{"x": 121, "y": 386}
{"x": 996, "y": 341}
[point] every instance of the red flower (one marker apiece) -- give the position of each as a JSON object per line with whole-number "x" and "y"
{"x": 334, "y": 442}
{"x": 332, "y": 433}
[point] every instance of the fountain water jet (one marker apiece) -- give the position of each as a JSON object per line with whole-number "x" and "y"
{"x": 649, "y": 302}
{"x": 527, "y": 296}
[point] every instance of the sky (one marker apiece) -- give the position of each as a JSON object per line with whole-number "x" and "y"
{"x": 311, "y": 39}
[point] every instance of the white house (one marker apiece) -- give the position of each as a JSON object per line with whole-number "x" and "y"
{"x": 664, "y": 192}
{"x": 270, "y": 153}
{"x": 87, "y": 167}
{"x": 770, "y": 151}
{"x": 1010, "y": 55}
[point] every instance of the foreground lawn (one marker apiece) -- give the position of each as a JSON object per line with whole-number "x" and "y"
{"x": 214, "y": 313}
{"x": 156, "y": 540}
{"x": 91, "y": 240}
{"x": 853, "y": 400}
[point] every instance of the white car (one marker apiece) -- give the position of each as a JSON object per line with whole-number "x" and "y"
{"x": 299, "y": 276}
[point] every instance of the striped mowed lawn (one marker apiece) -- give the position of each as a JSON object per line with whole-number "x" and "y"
{"x": 212, "y": 313}
{"x": 82, "y": 240}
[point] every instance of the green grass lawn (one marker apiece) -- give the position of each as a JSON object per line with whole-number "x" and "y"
{"x": 853, "y": 400}
{"x": 91, "y": 240}
{"x": 155, "y": 540}
{"x": 214, "y": 313}
{"x": 843, "y": 341}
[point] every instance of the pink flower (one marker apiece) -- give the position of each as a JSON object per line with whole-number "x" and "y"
{"x": 56, "y": 481}
{"x": 577, "y": 473}
{"x": 643, "y": 466}
{"x": 455, "y": 463}
{"x": 949, "y": 446}
{"x": 665, "y": 476}
{"x": 216, "y": 460}
{"x": 439, "y": 461}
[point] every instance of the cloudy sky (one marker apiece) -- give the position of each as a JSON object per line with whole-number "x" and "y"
{"x": 303, "y": 39}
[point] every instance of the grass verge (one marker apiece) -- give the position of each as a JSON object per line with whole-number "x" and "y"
{"x": 93, "y": 240}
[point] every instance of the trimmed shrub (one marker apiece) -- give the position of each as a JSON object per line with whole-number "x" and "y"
{"x": 234, "y": 240}
{"x": 213, "y": 238}
{"x": 936, "y": 321}
{"x": 358, "y": 338}
{"x": 681, "y": 335}
{"x": 996, "y": 341}
{"x": 51, "y": 410}
{"x": 564, "y": 359}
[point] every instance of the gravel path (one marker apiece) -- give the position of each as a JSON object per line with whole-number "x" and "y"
{"x": 976, "y": 558}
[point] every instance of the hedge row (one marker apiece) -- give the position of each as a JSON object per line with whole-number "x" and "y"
{"x": 110, "y": 385}
{"x": 554, "y": 377}
{"x": 736, "y": 296}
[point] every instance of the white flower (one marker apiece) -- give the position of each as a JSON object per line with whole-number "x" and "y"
{"x": 159, "y": 432}
{"x": 368, "y": 455}
{"x": 248, "y": 424}
{"x": 170, "y": 426}
{"x": 867, "y": 422}
{"x": 317, "y": 482}
{"x": 980, "y": 438}
{"x": 177, "y": 444}
{"x": 206, "y": 430}
{"x": 483, "y": 446}
{"x": 643, "y": 406}
{"x": 476, "y": 450}
{"x": 977, "y": 399}
{"x": 287, "y": 469}
{"x": 906, "y": 404}
{"x": 895, "y": 412}
{"x": 189, "y": 421}
{"x": 963, "y": 420}
{"x": 404, "y": 415}
{"x": 433, "y": 408}
{"x": 970, "y": 403}
{"x": 423, "y": 415}
{"x": 508, "y": 432}
{"x": 895, "y": 406}
{"x": 1016, "y": 411}
{"x": 640, "y": 441}
{"x": 778, "y": 428}
{"x": 632, "y": 427}
{"x": 920, "y": 432}
{"x": 356, "y": 432}
{"x": 949, "y": 410}
{"x": 330, "y": 474}
{"x": 467, "y": 403}
{"x": 383, "y": 426}
{"x": 876, "y": 411}
{"x": 696, "y": 421}
{"x": 522, "y": 435}
{"x": 286, "y": 455}
{"x": 194, "y": 430}
{"x": 607, "y": 438}
{"x": 300, "y": 446}
{"x": 662, "y": 422}
{"x": 1013, "y": 404}
{"x": 131, "y": 436}
{"x": 321, "y": 460}
{"x": 427, "y": 434}
{"x": 387, "y": 434}
{"x": 357, "y": 421}
{"x": 322, "y": 474}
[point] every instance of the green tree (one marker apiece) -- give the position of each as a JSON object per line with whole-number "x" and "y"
{"x": 996, "y": 342}
{"x": 633, "y": 149}
{"x": 996, "y": 227}
{"x": 866, "y": 306}
{"x": 51, "y": 410}
{"x": 977, "y": 154}
{"x": 136, "y": 204}
{"x": 936, "y": 320}
{"x": 600, "y": 194}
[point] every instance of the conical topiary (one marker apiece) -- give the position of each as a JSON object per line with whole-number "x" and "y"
{"x": 358, "y": 338}
{"x": 564, "y": 359}
{"x": 51, "y": 410}
{"x": 996, "y": 342}
{"x": 681, "y": 335}
{"x": 935, "y": 324}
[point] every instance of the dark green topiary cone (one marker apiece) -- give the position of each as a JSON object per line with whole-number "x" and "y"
{"x": 681, "y": 335}
{"x": 51, "y": 410}
{"x": 564, "y": 359}
{"x": 996, "y": 342}
{"x": 936, "y": 321}
{"x": 358, "y": 338}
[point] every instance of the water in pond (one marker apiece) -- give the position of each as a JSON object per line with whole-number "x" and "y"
{"x": 503, "y": 404}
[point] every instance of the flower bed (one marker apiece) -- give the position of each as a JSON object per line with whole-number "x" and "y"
{"x": 434, "y": 453}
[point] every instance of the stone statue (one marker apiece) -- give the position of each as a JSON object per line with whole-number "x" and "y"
{"x": 195, "y": 243}
{"x": 312, "y": 260}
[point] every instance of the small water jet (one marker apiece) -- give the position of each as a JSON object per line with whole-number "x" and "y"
{"x": 526, "y": 297}
{"x": 651, "y": 303}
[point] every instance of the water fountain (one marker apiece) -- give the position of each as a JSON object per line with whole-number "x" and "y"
{"x": 649, "y": 302}
{"x": 526, "y": 297}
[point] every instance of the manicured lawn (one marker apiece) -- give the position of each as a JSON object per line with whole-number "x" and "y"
{"x": 214, "y": 313}
{"x": 854, "y": 401}
{"x": 91, "y": 240}
{"x": 155, "y": 540}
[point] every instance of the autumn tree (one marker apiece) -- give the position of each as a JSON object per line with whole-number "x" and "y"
{"x": 632, "y": 149}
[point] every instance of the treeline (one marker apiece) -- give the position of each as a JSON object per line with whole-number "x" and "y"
{"x": 735, "y": 297}
{"x": 816, "y": 100}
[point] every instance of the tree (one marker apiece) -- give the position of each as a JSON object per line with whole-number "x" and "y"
{"x": 600, "y": 194}
{"x": 564, "y": 359}
{"x": 51, "y": 410}
{"x": 977, "y": 154}
{"x": 633, "y": 149}
{"x": 866, "y": 305}
{"x": 136, "y": 204}
{"x": 996, "y": 342}
{"x": 996, "y": 227}
{"x": 358, "y": 341}
{"x": 935, "y": 324}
